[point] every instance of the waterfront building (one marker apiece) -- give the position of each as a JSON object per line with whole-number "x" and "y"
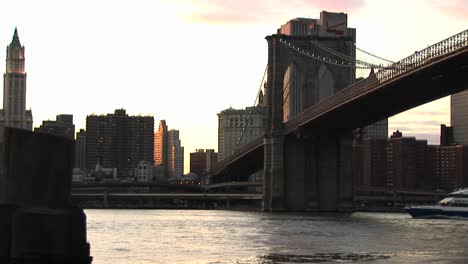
{"x": 448, "y": 166}
{"x": 459, "y": 117}
{"x": 237, "y": 128}
{"x": 446, "y": 135}
{"x": 405, "y": 162}
{"x": 160, "y": 148}
{"x": 373, "y": 162}
{"x": 168, "y": 152}
{"x": 202, "y": 162}
{"x": 80, "y": 150}
{"x": 119, "y": 141}
{"x": 14, "y": 113}
{"x": 378, "y": 130}
{"x": 62, "y": 126}
{"x": 175, "y": 154}
{"x": 144, "y": 171}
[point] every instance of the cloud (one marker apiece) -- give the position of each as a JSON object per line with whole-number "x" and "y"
{"x": 261, "y": 11}
{"x": 456, "y": 8}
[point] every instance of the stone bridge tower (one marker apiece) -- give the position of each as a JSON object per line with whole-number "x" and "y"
{"x": 303, "y": 172}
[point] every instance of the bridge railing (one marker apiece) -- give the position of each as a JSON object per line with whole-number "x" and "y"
{"x": 385, "y": 74}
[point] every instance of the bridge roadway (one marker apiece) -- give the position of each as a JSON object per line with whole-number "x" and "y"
{"x": 188, "y": 196}
{"x": 427, "y": 75}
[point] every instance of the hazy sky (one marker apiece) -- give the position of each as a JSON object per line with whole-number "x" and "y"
{"x": 186, "y": 60}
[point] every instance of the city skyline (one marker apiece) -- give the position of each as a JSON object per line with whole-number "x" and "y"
{"x": 132, "y": 56}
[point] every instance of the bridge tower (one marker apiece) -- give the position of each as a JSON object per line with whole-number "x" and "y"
{"x": 307, "y": 170}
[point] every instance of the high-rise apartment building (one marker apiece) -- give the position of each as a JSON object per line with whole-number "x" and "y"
{"x": 119, "y": 141}
{"x": 62, "y": 126}
{"x": 239, "y": 127}
{"x": 202, "y": 162}
{"x": 14, "y": 113}
{"x": 168, "y": 152}
{"x": 459, "y": 117}
{"x": 175, "y": 154}
{"x": 160, "y": 148}
{"x": 80, "y": 150}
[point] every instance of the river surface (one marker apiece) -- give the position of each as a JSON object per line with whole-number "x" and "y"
{"x": 204, "y": 236}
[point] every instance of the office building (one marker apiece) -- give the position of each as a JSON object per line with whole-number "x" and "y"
{"x": 202, "y": 162}
{"x": 175, "y": 154}
{"x": 378, "y": 130}
{"x": 80, "y": 150}
{"x": 119, "y": 141}
{"x": 62, "y": 126}
{"x": 237, "y": 128}
{"x": 14, "y": 113}
{"x": 459, "y": 117}
{"x": 160, "y": 149}
{"x": 373, "y": 163}
{"x": 168, "y": 152}
{"x": 446, "y": 135}
{"x": 144, "y": 171}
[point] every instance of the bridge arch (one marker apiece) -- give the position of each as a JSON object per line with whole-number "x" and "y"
{"x": 324, "y": 83}
{"x": 292, "y": 91}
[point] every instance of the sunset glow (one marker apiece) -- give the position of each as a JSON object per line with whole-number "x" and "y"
{"x": 186, "y": 60}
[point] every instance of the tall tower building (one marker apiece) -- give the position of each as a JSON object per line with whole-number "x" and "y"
{"x": 160, "y": 147}
{"x": 119, "y": 141}
{"x": 168, "y": 152}
{"x": 237, "y": 128}
{"x": 459, "y": 117}
{"x": 80, "y": 150}
{"x": 14, "y": 113}
{"x": 175, "y": 154}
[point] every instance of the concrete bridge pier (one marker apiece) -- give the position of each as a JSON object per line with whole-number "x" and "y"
{"x": 309, "y": 174}
{"x": 38, "y": 224}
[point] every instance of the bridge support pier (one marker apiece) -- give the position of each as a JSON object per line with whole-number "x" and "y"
{"x": 309, "y": 174}
{"x": 273, "y": 178}
{"x": 38, "y": 224}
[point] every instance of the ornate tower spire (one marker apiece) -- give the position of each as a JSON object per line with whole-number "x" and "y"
{"x": 15, "y": 42}
{"x": 14, "y": 112}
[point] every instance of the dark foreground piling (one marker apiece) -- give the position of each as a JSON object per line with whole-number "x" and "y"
{"x": 38, "y": 223}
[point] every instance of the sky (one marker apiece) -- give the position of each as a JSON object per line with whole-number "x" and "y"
{"x": 186, "y": 60}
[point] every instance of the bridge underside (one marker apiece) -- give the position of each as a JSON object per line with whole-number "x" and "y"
{"x": 241, "y": 167}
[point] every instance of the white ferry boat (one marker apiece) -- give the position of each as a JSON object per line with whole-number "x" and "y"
{"x": 455, "y": 205}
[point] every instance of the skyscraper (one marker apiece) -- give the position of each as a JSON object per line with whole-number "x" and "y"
{"x": 80, "y": 150}
{"x": 160, "y": 147}
{"x": 119, "y": 141}
{"x": 239, "y": 127}
{"x": 459, "y": 117}
{"x": 175, "y": 154}
{"x": 14, "y": 113}
{"x": 168, "y": 152}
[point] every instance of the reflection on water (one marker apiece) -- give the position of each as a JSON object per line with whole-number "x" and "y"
{"x": 197, "y": 236}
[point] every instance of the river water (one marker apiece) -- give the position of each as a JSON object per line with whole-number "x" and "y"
{"x": 216, "y": 236}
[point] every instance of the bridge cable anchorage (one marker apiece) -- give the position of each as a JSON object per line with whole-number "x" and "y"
{"x": 368, "y": 53}
{"x": 257, "y": 98}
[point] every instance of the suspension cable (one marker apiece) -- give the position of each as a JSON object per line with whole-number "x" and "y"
{"x": 343, "y": 56}
{"x": 368, "y": 53}
{"x": 324, "y": 59}
{"x": 250, "y": 111}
